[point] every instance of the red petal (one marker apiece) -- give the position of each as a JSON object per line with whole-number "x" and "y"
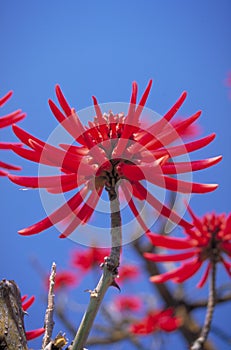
{"x": 84, "y": 214}
{"x": 163, "y": 122}
{"x": 9, "y": 166}
{"x": 133, "y": 207}
{"x": 142, "y": 102}
{"x": 156, "y": 204}
{"x": 168, "y": 116}
{"x": 62, "y": 101}
{"x": 56, "y": 111}
{"x": 197, "y": 222}
{"x": 179, "y": 274}
{"x": 188, "y": 270}
{"x": 11, "y": 118}
{"x": 3, "y": 173}
{"x": 170, "y": 133}
{"x": 6, "y": 97}
{"x": 23, "y": 298}
{"x": 169, "y": 242}
{"x": 25, "y": 137}
{"x": 169, "y": 257}
{"x": 35, "y": 333}
{"x": 185, "y": 167}
{"x": 204, "y": 278}
{"x": 29, "y": 155}
{"x": 58, "y": 215}
{"x": 63, "y": 159}
{"x": 176, "y": 185}
{"x": 227, "y": 266}
{"x": 98, "y": 111}
{"x": 8, "y": 145}
{"x": 185, "y": 148}
{"x": 45, "y": 181}
{"x": 28, "y": 303}
{"x": 128, "y": 125}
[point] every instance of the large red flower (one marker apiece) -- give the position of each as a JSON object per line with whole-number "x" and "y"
{"x": 111, "y": 148}
{"x": 5, "y": 121}
{"x": 163, "y": 320}
{"x": 208, "y": 241}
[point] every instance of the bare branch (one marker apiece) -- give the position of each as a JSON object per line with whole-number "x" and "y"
{"x": 49, "y": 322}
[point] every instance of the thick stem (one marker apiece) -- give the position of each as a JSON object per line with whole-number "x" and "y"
{"x": 109, "y": 273}
{"x": 198, "y": 344}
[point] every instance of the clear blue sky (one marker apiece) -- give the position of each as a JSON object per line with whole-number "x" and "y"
{"x": 99, "y": 48}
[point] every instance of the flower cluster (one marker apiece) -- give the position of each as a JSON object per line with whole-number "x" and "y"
{"x": 128, "y": 272}
{"x": 111, "y": 148}
{"x": 209, "y": 240}
{"x": 128, "y": 303}
{"x": 163, "y": 320}
{"x": 86, "y": 259}
{"x": 5, "y": 121}
{"x": 63, "y": 279}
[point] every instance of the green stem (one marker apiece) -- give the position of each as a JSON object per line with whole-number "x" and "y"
{"x": 109, "y": 273}
{"x": 199, "y": 342}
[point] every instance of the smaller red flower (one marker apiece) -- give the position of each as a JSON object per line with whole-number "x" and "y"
{"x": 126, "y": 303}
{"x": 163, "y": 320}
{"x": 128, "y": 272}
{"x": 209, "y": 240}
{"x": 89, "y": 258}
{"x": 63, "y": 279}
{"x": 25, "y": 305}
{"x": 5, "y": 121}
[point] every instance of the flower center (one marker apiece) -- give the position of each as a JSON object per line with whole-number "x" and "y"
{"x": 213, "y": 225}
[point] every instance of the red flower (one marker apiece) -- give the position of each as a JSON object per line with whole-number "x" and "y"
{"x": 125, "y": 303}
{"x": 89, "y": 258}
{"x": 36, "y": 332}
{"x": 209, "y": 239}
{"x": 156, "y": 321}
{"x": 128, "y": 272}
{"x": 5, "y": 121}
{"x": 112, "y": 147}
{"x": 63, "y": 279}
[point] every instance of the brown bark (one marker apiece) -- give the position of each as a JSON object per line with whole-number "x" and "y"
{"x": 12, "y": 331}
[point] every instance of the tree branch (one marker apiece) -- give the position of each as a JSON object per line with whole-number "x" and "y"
{"x": 198, "y": 344}
{"x": 110, "y": 271}
{"x": 49, "y": 322}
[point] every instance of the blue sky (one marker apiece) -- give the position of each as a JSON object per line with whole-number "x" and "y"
{"x": 99, "y": 48}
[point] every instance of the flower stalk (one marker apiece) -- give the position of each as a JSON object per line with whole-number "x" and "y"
{"x": 110, "y": 271}
{"x": 199, "y": 343}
